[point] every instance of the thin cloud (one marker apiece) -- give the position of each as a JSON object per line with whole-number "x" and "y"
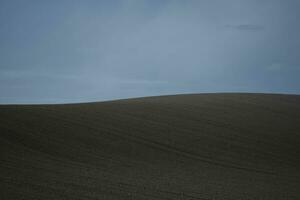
{"x": 275, "y": 67}
{"x": 246, "y": 27}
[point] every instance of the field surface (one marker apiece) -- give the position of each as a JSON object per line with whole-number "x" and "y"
{"x": 200, "y": 146}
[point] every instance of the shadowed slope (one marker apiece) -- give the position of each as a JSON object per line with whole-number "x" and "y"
{"x": 207, "y": 146}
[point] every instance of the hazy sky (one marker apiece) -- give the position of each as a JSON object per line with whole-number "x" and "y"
{"x": 58, "y": 51}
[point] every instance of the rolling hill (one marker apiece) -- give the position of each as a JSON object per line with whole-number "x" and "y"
{"x": 198, "y": 146}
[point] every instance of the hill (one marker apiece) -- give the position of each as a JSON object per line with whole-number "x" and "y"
{"x": 199, "y": 146}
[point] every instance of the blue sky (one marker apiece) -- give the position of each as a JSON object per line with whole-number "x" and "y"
{"x": 77, "y": 51}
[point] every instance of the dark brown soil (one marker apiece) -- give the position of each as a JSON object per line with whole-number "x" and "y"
{"x": 200, "y": 146}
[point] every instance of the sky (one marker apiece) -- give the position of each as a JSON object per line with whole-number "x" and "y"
{"x": 66, "y": 51}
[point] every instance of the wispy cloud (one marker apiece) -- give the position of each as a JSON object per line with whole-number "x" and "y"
{"x": 283, "y": 66}
{"x": 246, "y": 27}
{"x": 275, "y": 67}
{"x": 31, "y": 73}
